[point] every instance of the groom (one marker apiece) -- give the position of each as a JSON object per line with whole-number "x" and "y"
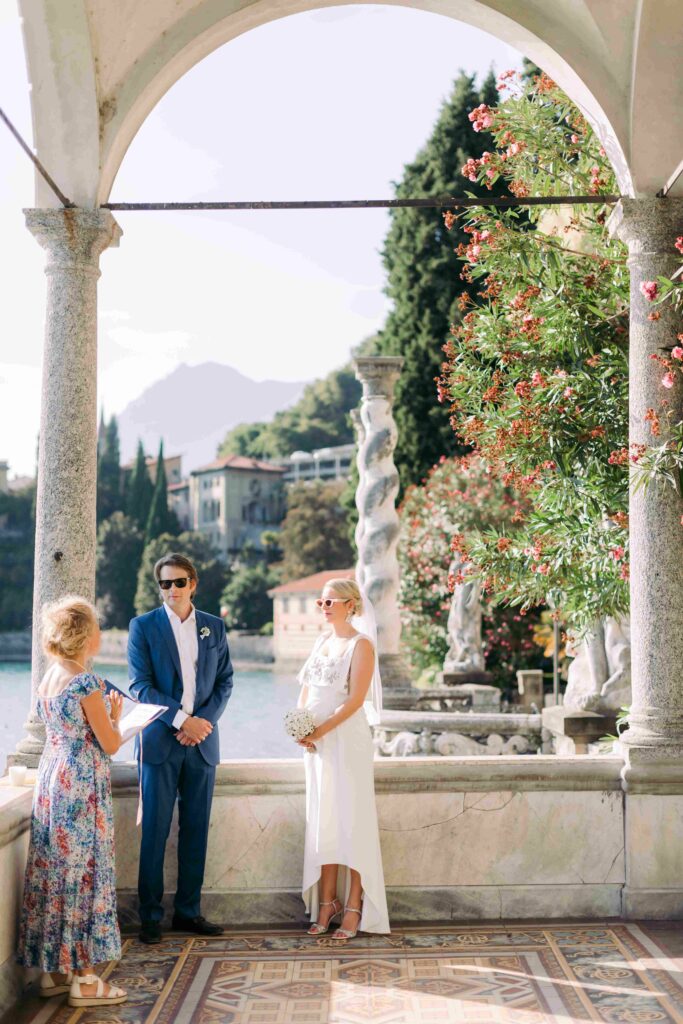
{"x": 177, "y": 656}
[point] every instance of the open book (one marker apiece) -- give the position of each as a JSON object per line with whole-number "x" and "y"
{"x": 139, "y": 718}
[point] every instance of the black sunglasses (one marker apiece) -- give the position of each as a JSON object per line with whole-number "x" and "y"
{"x": 180, "y": 583}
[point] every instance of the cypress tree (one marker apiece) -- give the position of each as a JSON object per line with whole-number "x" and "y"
{"x": 139, "y": 496}
{"x": 108, "y": 470}
{"x": 424, "y": 278}
{"x": 160, "y": 519}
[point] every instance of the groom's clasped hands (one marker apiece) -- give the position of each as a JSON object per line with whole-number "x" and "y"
{"x": 193, "y": 731}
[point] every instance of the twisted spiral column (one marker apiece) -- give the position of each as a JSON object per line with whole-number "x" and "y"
{"x": 359, "y": 431}
{"x": 378, "y": 526}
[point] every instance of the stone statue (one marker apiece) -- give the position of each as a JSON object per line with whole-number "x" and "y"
{"x": 599, "y": 677}
{"x": 465, "y": 652}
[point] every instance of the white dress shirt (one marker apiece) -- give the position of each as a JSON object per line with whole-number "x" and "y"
{"x": 185, "y": 634}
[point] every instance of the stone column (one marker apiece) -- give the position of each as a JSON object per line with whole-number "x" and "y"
{"x": 67, "y": 453}
{"x": 654, "y": 742}
{"x": 377, "y": 535}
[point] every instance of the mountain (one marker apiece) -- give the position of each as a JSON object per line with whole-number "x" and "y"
{"x": 194, "y": 407}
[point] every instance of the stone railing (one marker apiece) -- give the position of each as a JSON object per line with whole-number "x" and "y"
{"x": 457, "y": 734}
{"x": 244, "y": 647}
{"x": 462, "y": 838}
{"x": 15, "y": 820}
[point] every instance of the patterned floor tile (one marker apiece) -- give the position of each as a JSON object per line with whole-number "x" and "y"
{"x": 519, "y": 974}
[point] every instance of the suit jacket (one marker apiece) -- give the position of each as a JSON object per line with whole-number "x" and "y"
{"x": 155, "y": 678}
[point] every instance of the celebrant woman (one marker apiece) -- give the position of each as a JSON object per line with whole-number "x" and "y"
{"x": 68, "y": 921}
{"x": 341, "y": 689}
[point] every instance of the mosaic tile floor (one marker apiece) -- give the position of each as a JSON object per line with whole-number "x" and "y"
{"x": 514, "y": 974}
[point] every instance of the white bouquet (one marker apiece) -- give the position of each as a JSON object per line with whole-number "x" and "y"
{"x": 299, "y": 723}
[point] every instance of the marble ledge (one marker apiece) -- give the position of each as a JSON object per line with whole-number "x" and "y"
{"x": 15, "y": 812}
{"x": 448, "y": 905}
{"x": 418, "y": 774}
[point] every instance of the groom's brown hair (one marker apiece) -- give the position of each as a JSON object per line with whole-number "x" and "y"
{"x": 174, "y": 559}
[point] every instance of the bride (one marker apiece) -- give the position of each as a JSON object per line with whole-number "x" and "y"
{"x": 343, "y": 874}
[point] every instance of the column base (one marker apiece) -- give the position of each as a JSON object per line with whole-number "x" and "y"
{"x": 30, "y": 748}
{"x": 651, "y": 769}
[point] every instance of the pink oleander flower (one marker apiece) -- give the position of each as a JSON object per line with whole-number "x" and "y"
{"x": 568, "y": 392}
{"x": 668, "y": 380}
{"x": 677, "y": 352}
{"x": 679, "y": 243}
{"x": 650, "y": 289}
{"x": 470, "y": 169}
{"x": 481, "y": 117}
{"x": 617, "y": 553}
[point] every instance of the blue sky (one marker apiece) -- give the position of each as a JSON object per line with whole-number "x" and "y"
{"x": 329, "y": 104}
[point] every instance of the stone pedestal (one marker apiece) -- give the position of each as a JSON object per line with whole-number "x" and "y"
{"x": 530, "y": 688}
{"x": 67, "y": 457}
{"x": 654, "y": 743}
{"x": 377, "y": 534}
{"x": 573, "y": 730}
{"x": 475, "y": 679}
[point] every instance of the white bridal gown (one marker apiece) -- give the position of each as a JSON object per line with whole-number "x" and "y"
{"x": 341, "y": 815}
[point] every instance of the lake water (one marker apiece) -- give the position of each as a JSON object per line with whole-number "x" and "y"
{"x": 251, "y": 725}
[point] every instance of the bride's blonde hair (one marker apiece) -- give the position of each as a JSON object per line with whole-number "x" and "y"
{"x": 348, "y": 591}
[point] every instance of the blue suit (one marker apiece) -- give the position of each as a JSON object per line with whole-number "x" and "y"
{"x": 169, "y": 770}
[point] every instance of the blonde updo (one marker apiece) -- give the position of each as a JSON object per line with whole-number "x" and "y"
{"x": 68, "y": 624}
{"x": 348, "y": 591}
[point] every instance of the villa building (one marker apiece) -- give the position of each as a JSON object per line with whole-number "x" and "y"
{"x": 172, "y": 465}
{"x": 233, "y": 500}
{"x": 296, "y": 619}
{"x": 179, "y": 502}
{"x": 320, "y": 464}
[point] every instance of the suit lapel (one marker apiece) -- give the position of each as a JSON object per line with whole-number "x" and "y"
{"x": 201, "y": 643}
{"x": 166, "y": 630}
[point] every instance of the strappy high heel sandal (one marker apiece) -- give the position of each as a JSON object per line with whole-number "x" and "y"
{"x": 320, "y": 929}
{"x": 344, "y": 933}
{"x": 77, "y": 998}
{"x": 49, "y": 988}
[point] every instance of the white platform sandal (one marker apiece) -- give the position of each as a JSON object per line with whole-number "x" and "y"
{"x": 76, "y": 997}
{"x": 320, "y": 929}
{"x": 49, "y": 988}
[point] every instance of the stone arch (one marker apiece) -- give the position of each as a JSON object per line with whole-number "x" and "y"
{"x": 98, "y": 69}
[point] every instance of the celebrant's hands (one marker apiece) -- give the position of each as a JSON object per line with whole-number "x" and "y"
{"x": 197, "y": 729}
{"x": 115, "y": 707}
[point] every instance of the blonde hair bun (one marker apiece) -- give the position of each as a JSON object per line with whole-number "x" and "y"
{"x": 67, "y": 625}
{"x": 348, "y": 590}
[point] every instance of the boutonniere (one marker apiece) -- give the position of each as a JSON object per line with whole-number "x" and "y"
{"x": 204, "y": 632}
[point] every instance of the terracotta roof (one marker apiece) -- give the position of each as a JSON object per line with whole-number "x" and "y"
{"x": 150, "y": 460}
{"x": 239, "y": 462}
{"x": 179, "y": 486}
{"x": 311, "y": 584}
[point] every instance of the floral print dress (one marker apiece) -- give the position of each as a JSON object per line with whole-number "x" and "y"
{"x": 69, "y": 914}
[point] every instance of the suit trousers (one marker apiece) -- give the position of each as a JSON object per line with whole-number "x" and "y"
{"x": 184, "y": 775}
